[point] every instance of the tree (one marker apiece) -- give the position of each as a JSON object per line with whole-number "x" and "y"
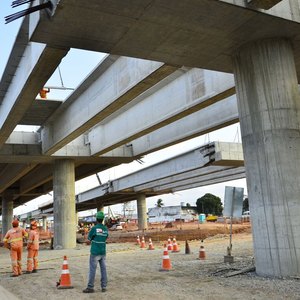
{"x": 159, "y": 203}
{"x": 209, "y": 204}
{"x": 188, "y": 205}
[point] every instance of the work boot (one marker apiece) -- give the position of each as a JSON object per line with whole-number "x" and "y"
{"x": 34, "y": 271}
{"x": 104, "y": 290}
{"x": 88, "y": 290}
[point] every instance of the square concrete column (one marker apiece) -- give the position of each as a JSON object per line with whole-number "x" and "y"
{"x": 7, "y": 212}
{"x": 269, "y": 111}
{"x": 142, "y": 212}
{"x": 44, "y": 218}
{"x": 64, "y": 204}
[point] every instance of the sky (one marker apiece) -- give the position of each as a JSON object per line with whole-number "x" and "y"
{"x": 73, "y": 69}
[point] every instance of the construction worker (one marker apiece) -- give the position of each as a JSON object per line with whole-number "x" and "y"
{"x": 13, "y": 240}
{"x": 33, "y": 248}
{"x": 43, "y": 93}
{"x": 97, "y": 237}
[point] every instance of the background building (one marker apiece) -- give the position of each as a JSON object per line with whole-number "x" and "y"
{"x": 172, "y": 213}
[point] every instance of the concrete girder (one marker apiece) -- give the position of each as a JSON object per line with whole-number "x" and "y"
{"x": 192, "y": 91}
{"x": 264, "y": 4}
{"x": 220, "y": 176}
{"x": 37, "y": 64}
{"x": 114, "y": 83}
{"x": 179, "y": 177}
{"x": 17, "y": 154}
{"x": 196, "y": 124}
{"x": 200, "y": 34}
{"x": 37, "y": 177}
{"x": 208, "y": 182}
{"x": 93, "y": 193}
{"x": 22, "y": 146}
{"x": 80, "y": 147}
{"x": 12, "y": 173}
{"x": 230, "y": 154}
{"x": 23, "y": 137}
{"x": 182, "y": 163}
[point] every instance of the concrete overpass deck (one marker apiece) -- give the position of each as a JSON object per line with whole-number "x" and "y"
{"x": 203, "y": 34}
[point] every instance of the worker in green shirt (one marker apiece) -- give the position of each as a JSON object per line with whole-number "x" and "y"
{"x": 97, "y": 238}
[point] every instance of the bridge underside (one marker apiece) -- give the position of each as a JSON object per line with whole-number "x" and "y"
{"x": 202, "y": 34}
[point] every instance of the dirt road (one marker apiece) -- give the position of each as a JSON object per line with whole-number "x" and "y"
{"x": 134, "y": 274}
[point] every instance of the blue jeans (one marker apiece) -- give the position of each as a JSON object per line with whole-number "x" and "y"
{"x": 93, "y": 267}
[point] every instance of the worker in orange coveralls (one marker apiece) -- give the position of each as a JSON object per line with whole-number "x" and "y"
{"x": 43, "y": 93}
{"x": 33, "y": 248}
{"x": 13, "y": 240}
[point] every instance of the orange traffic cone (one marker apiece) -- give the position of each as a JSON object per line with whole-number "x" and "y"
{"x": 187, "y": 248}
{"x": 65, "y": 278}
{"x": 202, "y": 254}
{"x": 138, "y": 241}
{"x": 175, "y": 246}
{"x": 170, "y": 247}
{"x": 166, "y": 263}
{"x": 143, "y": 245}
{"x": 151, "y": 247}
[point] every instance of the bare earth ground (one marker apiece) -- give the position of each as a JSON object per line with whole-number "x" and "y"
{"x": 134, "y": 272}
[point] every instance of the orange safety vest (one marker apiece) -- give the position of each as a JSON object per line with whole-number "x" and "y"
{"x": 33, "y": 240}
{"x": 14, "y": 237}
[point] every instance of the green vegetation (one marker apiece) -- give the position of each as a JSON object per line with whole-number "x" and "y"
{"x": 209, "y": 204}
{"x": 159, "y": 203}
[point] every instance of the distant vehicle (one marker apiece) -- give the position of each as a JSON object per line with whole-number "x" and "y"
{"x": 211, "y": 218}
{"x": 116, "y": 227}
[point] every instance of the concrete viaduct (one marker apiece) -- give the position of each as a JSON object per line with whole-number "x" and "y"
{"x": 150, "y": 93}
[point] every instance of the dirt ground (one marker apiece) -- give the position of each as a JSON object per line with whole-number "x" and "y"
{"x": 133, "y": 272}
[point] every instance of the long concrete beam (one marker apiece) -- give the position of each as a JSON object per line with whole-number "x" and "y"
{"x": 221, "y": 176}
{"x": 21, "y": 146}
{"x": 240, "y": 175}
{"x": 181, "y": 164}
{"x": 213, "y": 117}
{"x": 12, "y": 173}
{"x": 112, "y": 85}
{"x": 177, "y": 178}
{"x": 32, "y": 67}
{"x": 212, "y": 153}
{"x": 192, "y": 91}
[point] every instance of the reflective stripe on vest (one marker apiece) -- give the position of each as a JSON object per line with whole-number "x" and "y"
{"x": 15, "y": 240}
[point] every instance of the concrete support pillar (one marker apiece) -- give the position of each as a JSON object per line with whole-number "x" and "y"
{"x": 7, "y": 212}
{"x": 64, "y": 204}
{"x": 269, "y": 111}
{"x": 142, "y": 212}
{"x": 76, "y": 219}
{"x": 45, "y": 223}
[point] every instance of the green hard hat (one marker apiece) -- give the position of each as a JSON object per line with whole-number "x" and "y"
{"x": 100, "y": 215}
